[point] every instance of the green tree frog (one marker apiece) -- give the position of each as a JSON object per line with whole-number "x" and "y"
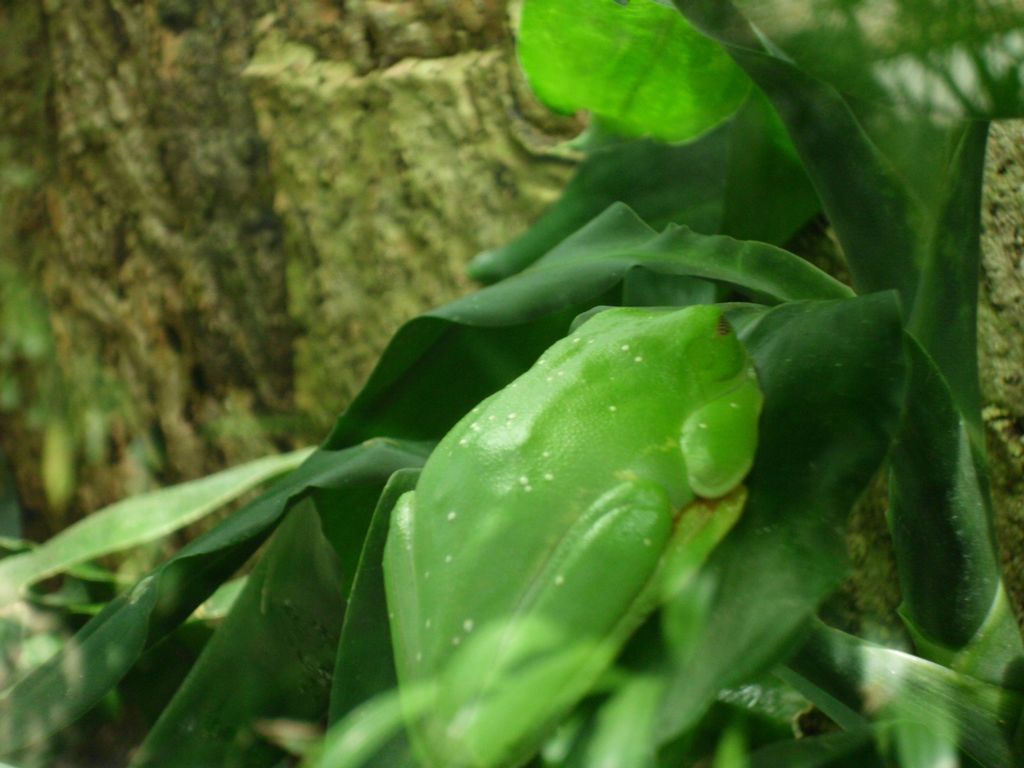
{"x": 545, "y": 525}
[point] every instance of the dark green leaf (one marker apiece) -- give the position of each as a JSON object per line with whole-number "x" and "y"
{"x": 837, "y": 750}
{"x": 852, "y": 680}
{"x": 742, "y": 179}
{"x": 955, "y": 58}
{"x": 271, "y": 658}
{"x": 903, "y": 196}
{"x": 638, "y": 66}
{"x": 64, "y": 688}
{"x": 664, "y": 183}
{"x": 495, "y": 334}
{"x": 365, "y": 665}
{"x": 832, "y": 399}
{"x": 940, "y": 512}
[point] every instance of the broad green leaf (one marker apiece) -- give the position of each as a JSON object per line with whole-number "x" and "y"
{"x": 940, "y": 513}
{"x": 852, "y": 680}
{"x": 271, "y": 658}
{"x": 91, "y": 664}
{"x": 677, "y": 183}
{"x": 495, "y": 334}
{"x": 832, "y": 399}
{"x": 954, "y": 58}
{"x": 743, "y": 179}
{"x": 137, "y": 520}
{"x": 638, "y": 66}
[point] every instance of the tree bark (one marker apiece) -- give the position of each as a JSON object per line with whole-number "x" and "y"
{"x": 228, "y": 208}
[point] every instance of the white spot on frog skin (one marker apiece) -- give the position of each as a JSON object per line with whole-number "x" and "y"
{"x": 476, "y": 410}
{"x": 734, "y": 405}
{"x": 549, "y": 379}
{"x": 546, "y": 454}
{"x": 447, "y": 558}
{"x": 464, "y": 441}
{"x": 427, "y": 624}
{"x": 456, "y": 640}
{"x": 527, "y": 488}
{"x": 391, "y": 615}
{"x": 468, "y": 625}
{"x": 625, "y": 347}
{"x": 451, "y": 516}
{"x": 426, "y": 575}
{"x": 548, "y": 476}
{"x": 702, "y": 425}
{"x": 647, "y": 542}
{"x": 542, "y": 361}
{"x": 511, "y": 416}
{"x": 419, "y": 657}
{"x": 638, "y": 359}
{"x": 613, "y": 408}
{"x": 576, "y": 340}
{"x": 492, "y": 417}
{"x": 475, "y": 427}
{"x": 559, "y": 580}
{"x": 560, "y": 373}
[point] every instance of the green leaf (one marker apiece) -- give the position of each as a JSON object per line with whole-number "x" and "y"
{"x": 637, "y": 66}
{"x": 832, "y": 399}
{"x": 742, "y": 179}
{"x": 99, "y": 655}
{"x": 664, "y": 183}
{"x": 136, "y": 520}
{"x": 495, "y": 334}
{"x": 954, "y": 58}
{"x": 852, "y": 680}
{"x": 904, "y": 196}
{"x": 365, "y": 666}
{"x": 271, "y": 658}
{"x": 940, "y": 513}
{"x": 855, "y": 749}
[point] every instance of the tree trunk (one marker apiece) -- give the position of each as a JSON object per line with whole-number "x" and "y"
{"x": 226, "y": 209}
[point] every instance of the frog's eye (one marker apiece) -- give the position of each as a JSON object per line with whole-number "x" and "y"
{"x": 722, "y": 327}
{"x": 715, "y": 354}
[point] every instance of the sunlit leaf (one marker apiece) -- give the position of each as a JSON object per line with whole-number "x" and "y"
{"x": 637, "y": 65}
{"x": 136, "y": 520}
